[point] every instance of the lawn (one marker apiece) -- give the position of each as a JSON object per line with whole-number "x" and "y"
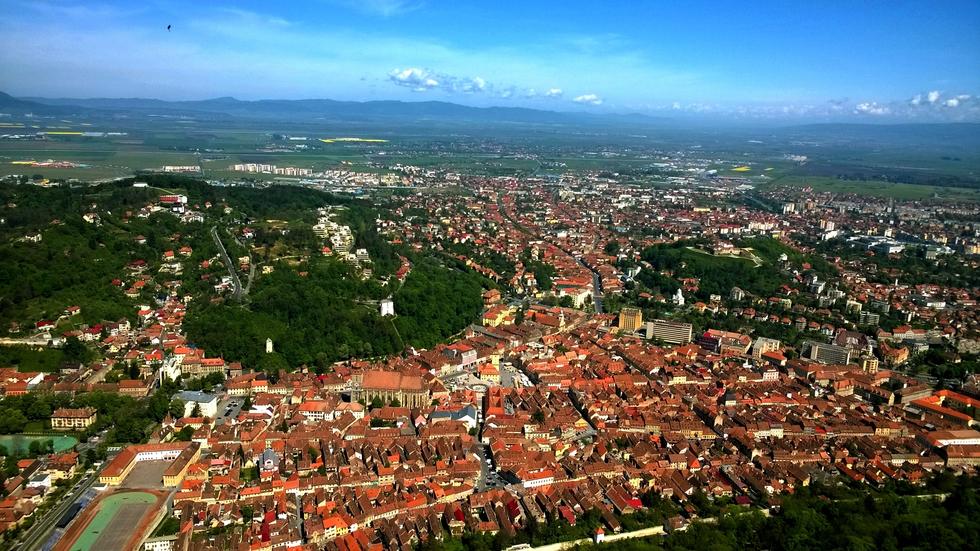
{"x": 26, "y": 359}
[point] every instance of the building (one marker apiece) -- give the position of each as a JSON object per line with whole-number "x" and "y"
{"x": 387, "y": 307}
{"x": 630, "y": 319}
{"x": 726, "y": 343}
{"x": 869, "y": 364}
{"x": 678, "y": 298}
{"x": 72, "y": 418}
{"x": 869, "y": 318}
{"x": 162, "y": 543}
{"x": 208, "y": 403}
{"x": 763, "y": 345}
{"x": 829, "y": 353}
{"x": 181, "y": 455}
{"x": 672, "y": 332}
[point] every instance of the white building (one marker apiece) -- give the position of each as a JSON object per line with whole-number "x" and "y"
{"x": 207, "y": 402}
{"x": 387, "y": 307}
{"x": 679, "y": 298}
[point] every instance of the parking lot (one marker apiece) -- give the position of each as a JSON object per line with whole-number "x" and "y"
{"x": 228, "y": 408}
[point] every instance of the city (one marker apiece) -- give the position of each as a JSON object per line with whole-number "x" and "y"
{"x": 406, "y": 325}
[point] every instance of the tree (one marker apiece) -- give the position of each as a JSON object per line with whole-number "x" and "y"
{"x": 133, "y": 371}
{"x": 75, "y": 352}
{"x": 185, "y": 434}
{"x": 272, "y": 363}
{"x": 196, "y": 411}
{"x": 248, "y": 512}
{"x": 176, "y": 408}
{"x": 12, "y": 421}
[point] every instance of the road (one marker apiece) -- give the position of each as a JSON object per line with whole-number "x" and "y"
{"x": 251, "y": 266}
{"x": 38, "y": 534}
{"x": 231, "y": 267}
{"x": 643, "y": 532}
{"x": 489, "y": 477}
{"x": 596, "y": 280}
{"x": 38, "y": 342}
{"x": 596, "y": 290}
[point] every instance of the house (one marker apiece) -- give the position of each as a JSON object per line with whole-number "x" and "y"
{"x": 73, "y": 418}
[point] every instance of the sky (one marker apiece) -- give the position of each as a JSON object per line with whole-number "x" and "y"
{"x": 887, "y": 60}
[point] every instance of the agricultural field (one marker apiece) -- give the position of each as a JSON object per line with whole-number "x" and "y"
{"x": 878, "y": 188}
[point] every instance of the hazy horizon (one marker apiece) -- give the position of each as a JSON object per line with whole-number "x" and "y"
{"x": 767, "y": 61}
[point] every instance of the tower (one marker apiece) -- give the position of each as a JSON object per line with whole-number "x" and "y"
{"x": 268, "y": 346}
{"x": 679, "y": 298}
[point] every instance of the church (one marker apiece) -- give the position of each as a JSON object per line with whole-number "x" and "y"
{"x": 409, "y": 390}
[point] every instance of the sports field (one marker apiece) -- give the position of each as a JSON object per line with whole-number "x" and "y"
{"x": 116, "y": 521}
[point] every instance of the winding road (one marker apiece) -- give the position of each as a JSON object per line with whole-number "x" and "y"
{"x": 238, "y": 292}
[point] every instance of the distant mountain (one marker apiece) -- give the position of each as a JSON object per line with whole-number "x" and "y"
{"x": 327, "y": 109}
{"x": 12, "y": 105}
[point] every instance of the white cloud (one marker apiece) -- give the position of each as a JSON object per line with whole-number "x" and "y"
{"x": 933, "y": 96}
{"x": 916, "y": 100}
{"x": 554, "y": 93}
{"x": 871, "y": 108}
{"x": 421, "y": 80}
{"x": 467, "y": 85}
{"x": 417, "y": 79}
{"x": 953, "y": 102}
{"x": 590, "y": 99}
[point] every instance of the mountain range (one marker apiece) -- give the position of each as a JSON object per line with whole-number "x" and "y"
{"x": 306, "y": 109}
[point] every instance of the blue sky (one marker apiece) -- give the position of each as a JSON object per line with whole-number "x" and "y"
{"x": 889, "y": 60}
